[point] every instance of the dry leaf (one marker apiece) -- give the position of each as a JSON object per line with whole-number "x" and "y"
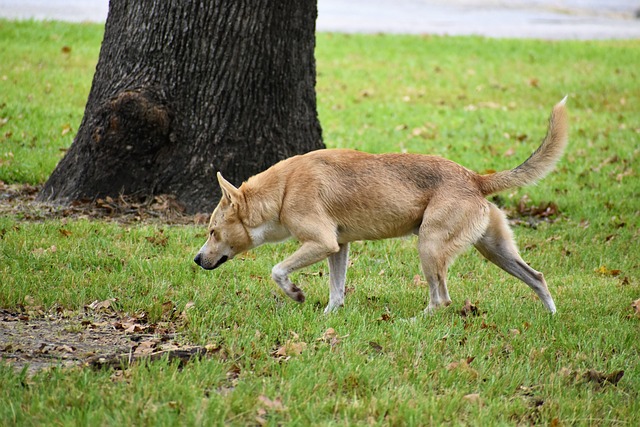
{"x": 384, "y": 317}
{"x": 463, "y": 365}
{"x": 291, "y": 348}
{"x": 472, "y": 398}
{"x": 601, "y": 378}
{"x": 374, "y": 345}
{"x": 417, "y": 280}
{"x": 134, "y": 328}
{"x": 275, "y": 405}
{"x": 101, "y": 305}
{"x": 565, "y": 372}
{"x": 168, "y": 306}
{"x": 159, "y": 239}
{"x": 144, "y": 348}
{"x": 328, "y": 335}
{"x": 603, "y": 270}
{"x": 469, "y": 309}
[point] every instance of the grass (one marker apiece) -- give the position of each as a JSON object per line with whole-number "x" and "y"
{"x": 481, "y": 102}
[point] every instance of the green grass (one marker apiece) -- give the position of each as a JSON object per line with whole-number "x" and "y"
{"x": 469, "y": 99}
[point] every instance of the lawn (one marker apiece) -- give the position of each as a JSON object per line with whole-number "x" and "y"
{"x": 494, "y": 357}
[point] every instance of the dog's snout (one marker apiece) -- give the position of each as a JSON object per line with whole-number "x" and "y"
{"x": 198, "y": 259}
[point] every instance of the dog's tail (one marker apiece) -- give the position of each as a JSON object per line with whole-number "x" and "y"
{"x": 540, "y": 163}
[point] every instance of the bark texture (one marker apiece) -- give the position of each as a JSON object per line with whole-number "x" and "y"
{"x": 183, "y": 89}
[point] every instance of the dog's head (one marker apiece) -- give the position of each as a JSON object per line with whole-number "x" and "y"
{"x": 228, "y": 235}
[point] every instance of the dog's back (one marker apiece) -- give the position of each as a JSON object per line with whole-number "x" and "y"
{"x": 369, "y": 196}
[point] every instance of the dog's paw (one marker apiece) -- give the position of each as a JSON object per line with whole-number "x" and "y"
{"x": 330, "y": 308}
{"x": 296, "y": 294}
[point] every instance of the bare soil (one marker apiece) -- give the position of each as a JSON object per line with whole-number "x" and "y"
{"x": 98, "y": 337}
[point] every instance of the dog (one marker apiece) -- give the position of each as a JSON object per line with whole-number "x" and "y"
{"x": 328, "y": 198}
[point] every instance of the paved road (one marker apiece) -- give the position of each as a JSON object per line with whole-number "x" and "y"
{"x": 547, "y": 19}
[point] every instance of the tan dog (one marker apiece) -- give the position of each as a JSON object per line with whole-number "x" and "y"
{"x": 328, "y": 198}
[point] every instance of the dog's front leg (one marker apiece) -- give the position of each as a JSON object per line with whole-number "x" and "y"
{"x": 309, "y": 253}
{"x": 337, "y": 277}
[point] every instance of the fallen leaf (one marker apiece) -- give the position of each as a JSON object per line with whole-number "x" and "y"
{"x": 472, "y": 398}
{"x": 66, "y": 49}
{"x": 101, "y": 305}
{"x": 374, "y": 345}
{"x": 463, "y": 365}
{"x": 66, "y": 129}
{"x": 134, "y": 328}
{"x": 65, "y": 348}
{"x": 417, "y": 280}
{"x": 510, "y": 152}
{"x": 168, "y": 307}
{"x": 601, "y": 378}
{"x": 603, "y": 270}
{"x": 275, "y": 405}
{"x": 159, "y": 239}
{"x": 469, "y": 309}
{"x": 385, "y": 317}
{"x": 291, "y": 348}
{"x": 328, "y": 335}
{"x": 565, "y": 372}
{"x": 145, "y": 347}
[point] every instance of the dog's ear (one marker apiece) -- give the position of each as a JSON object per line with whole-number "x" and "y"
{"x": 228, "y": 190}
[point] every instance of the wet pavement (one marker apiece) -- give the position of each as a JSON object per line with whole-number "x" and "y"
{"x": 546, "y": 19}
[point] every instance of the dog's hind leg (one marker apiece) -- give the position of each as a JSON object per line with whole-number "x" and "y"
{"x": 497, "y": 246}
{"x": 447, "y": 230}
{"x": 337, "y": 277}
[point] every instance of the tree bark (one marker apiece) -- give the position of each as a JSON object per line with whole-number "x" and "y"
{"x": 183, "y": 89}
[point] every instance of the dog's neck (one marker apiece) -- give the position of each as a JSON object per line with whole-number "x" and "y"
{"x": 263, "y": 195}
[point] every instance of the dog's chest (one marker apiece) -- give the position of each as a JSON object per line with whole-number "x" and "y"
{"x": 268, "y": 232}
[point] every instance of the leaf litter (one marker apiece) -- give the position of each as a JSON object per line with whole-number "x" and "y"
{"x": 100, "y": 336}
{"x": 20, "y": 200}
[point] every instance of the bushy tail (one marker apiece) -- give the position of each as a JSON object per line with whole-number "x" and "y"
{"x": 540, "y": 163}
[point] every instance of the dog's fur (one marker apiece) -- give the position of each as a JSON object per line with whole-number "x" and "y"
{"x": 328, "y": 198}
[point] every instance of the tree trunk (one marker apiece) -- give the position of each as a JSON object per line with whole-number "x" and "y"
{"x": 183, "y": 89}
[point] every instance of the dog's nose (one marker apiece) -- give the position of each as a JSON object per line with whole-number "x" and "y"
{"x": 198, "y": 259}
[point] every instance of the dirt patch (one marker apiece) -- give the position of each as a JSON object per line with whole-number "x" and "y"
{"x": 95, "y": 338}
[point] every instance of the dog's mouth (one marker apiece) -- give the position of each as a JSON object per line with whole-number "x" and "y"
{"x": 220, "y": 262}
{"x": 198, "y": 260}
